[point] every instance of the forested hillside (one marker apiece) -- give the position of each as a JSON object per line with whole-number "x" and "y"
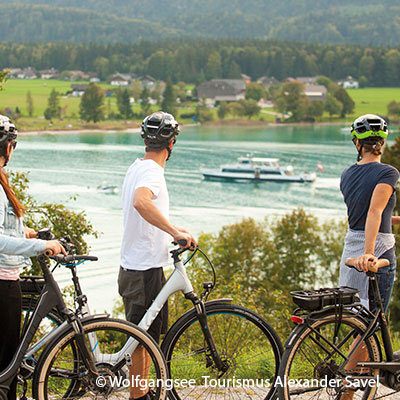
{"x": 366, "y": 22}
{"x": 196, "y": 60}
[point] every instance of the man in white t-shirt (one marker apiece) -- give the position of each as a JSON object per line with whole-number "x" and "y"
{"x": 147, "y": 233}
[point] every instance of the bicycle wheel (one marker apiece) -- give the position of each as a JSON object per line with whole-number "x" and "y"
{"x": 61, "y": 373}
{"x": 244, "y": 340}
{"x": 315, "y": 366}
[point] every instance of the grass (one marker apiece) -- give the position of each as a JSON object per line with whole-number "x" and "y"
{"x": 367, "y": 100}
{"x": 373, "y": 100}
{"x": 15, "y": 92}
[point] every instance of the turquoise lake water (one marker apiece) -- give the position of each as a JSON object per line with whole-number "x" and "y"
{"x": 62, "y": 166}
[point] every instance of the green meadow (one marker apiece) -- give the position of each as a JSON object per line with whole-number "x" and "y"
{"x": 15, "y": 90}
{"x": 367, "y": 100}
{"x": 373, "y": 100}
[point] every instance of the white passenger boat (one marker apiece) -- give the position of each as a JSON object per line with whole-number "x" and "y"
{"x": 257, "y": 169}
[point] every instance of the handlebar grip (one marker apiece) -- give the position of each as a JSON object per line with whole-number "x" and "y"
{"x": 383, "y": 262}
{"x": 182, "y": 242}
{"x": 49, "y": 253}
{"x": 89, "y": 258}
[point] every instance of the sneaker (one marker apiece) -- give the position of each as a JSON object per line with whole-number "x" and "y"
{"x": 396, "y": 355}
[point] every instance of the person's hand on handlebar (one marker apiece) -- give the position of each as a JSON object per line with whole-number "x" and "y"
{"x": 54, "y": 247}
{"x": 30, "y": 233}
{"x": 362, "y": 262}
{"x": 184, "y": 235}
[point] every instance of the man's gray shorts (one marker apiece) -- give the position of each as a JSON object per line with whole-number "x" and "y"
{"x": 138, "y": 290}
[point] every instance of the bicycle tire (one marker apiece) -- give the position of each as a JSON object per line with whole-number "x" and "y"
{"x": 226, "y": 316}
{"x": 48, "y": 371}
{"x": 309, "y": 357}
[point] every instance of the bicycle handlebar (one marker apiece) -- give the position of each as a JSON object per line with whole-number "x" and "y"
{"x": 350, "y": 262}
{"x": 72, "y": 258}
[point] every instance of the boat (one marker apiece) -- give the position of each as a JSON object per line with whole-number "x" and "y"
{"x": 106, "y": 188}
{"x": 257, "y": 169}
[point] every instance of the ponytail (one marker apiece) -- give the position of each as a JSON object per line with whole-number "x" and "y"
{"x": 12, "y": 198}
{"x": 372, "y": 145}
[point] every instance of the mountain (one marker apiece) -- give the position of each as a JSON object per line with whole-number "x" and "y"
{"x": 365, "y": 22}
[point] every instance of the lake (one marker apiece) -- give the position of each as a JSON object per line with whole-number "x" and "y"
{"x": 66, "y": 165}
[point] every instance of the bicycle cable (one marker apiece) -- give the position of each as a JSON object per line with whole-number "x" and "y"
{"x": 208, "y": 260}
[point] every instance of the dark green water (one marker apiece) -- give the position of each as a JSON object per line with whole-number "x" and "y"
{"x": 65, "y": 165}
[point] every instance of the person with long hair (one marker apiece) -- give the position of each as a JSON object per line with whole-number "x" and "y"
{"x": 368, "y": 188}
{"x": 17, "y": 244}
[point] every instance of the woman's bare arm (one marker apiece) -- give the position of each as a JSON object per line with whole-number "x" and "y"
{"x": 379, "y": 200}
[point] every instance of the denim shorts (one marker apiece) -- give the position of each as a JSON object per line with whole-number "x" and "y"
{"x": 385, "y": 277}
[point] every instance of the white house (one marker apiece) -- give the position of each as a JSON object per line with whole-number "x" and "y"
{"x": 349, "y": 83}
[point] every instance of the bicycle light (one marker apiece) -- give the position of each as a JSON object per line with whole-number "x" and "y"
{"x": 297, "y": 320}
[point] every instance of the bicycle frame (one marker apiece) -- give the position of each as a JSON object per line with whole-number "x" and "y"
{"x": 178, "y": 281}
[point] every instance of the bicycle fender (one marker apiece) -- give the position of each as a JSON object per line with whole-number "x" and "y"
{"x": 66, "y": 327}
{"x": 218, "y": 301}
{"x": 293, "y": 335}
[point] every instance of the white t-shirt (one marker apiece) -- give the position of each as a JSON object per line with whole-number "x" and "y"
{"x": 144, "y": 246}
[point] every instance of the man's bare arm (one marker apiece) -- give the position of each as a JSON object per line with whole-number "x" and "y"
{"x": 143, "y": 203}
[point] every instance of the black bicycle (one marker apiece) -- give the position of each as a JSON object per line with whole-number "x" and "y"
{"x": 335, "y": 350}
{"x": 82, "y": 357}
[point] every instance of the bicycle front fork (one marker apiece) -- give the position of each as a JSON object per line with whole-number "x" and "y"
{"x": 86, "y": 353}
{"x": 220, "y": 364}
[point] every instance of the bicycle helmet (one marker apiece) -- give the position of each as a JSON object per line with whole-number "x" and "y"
{"x": 158, "y": 129}
{"x": 8, "y": 131}
{"x": 369, "y": 129}
{"x": 369, "y": 125}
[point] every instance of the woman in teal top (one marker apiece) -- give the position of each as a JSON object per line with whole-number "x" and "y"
{"x": 17, "y": 244}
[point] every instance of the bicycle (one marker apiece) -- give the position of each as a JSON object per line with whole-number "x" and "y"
{"x": 323, "y": 354}
{"x": 227, "y": 342}
{"x": 83, "y": 357}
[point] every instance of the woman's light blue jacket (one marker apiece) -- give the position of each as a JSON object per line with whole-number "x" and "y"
{"x": 15, "y": 249}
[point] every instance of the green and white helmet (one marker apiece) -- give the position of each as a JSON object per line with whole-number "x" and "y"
{"x": 369, "y": 125}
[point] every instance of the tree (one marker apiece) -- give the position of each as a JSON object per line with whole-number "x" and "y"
{"x": 3, "y": 78}
{"x": 394, "y": 108}
{"x": 144, "y": 100}
{"x": 203, "y": 114}
{"x": 214, "y": 66}
{"x": 53, "y": 109}
{"x": 169, "y": 102}
{"x": 91, "y": 106}
{"x": 29, "y": 103}
{"x": 292, "y": 99}
{"x": 236, "y": 109}
{"x": 223, "y": 110}
{"x": 316, "y": 109}
{"x": 254, "y": 91}
{"x": 124, "y": 103}
{"x": 259, "y": 263}
{"x": 348, "y": 104}
{"x": 333, "y": 106}
{"x": 234, "y": 71}
{"x": 250, "y": 108}
{"x": 363, "y": 82}
{"x": 56, "y": 216}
